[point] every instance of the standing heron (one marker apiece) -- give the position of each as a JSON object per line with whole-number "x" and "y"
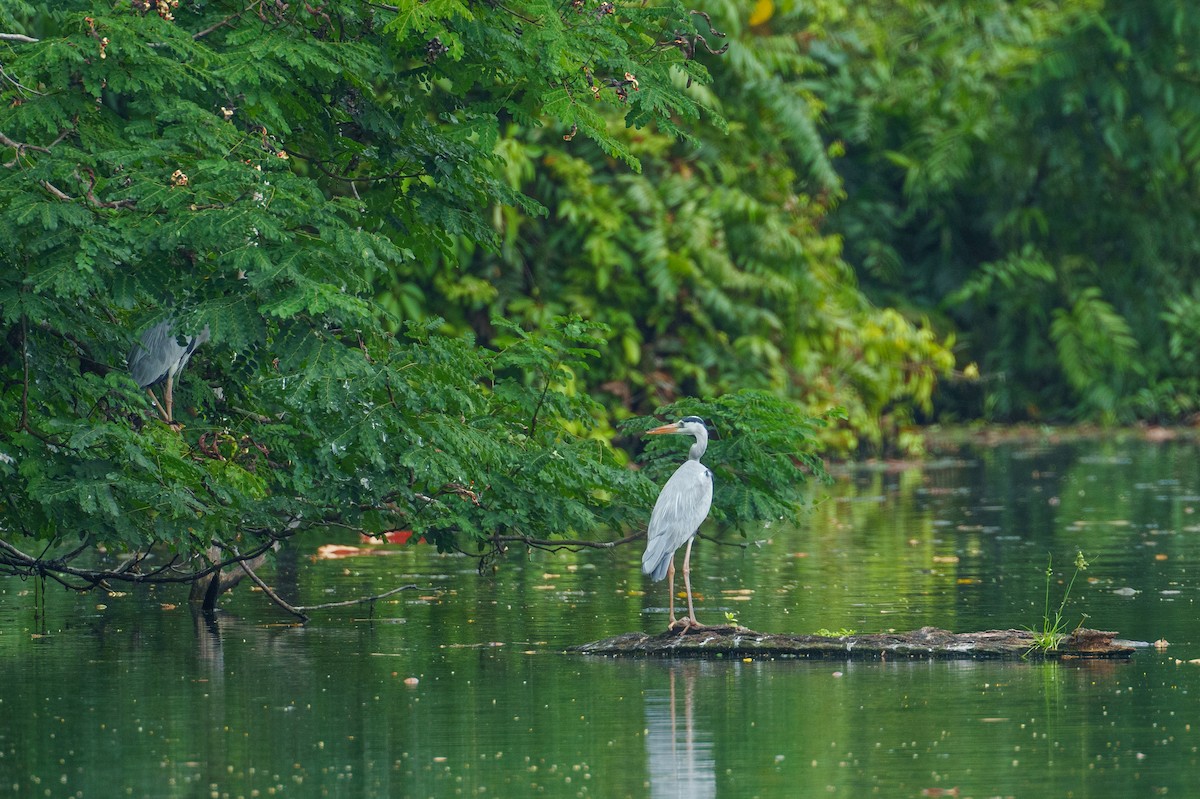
{"x": 159, "y": 355}
{"x": 682, "y": 505}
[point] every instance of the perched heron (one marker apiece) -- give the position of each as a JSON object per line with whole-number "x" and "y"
{"x": 682, "y": 505}
{"x": 159, "y": 355}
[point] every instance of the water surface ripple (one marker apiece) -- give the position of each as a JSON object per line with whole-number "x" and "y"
{"x": 133, "y": 695}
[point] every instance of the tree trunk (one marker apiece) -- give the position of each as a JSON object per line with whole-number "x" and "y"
{"x": 207, "y": 590}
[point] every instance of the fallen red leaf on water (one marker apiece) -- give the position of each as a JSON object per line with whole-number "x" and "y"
{"x": 334, "y": 551}
{"x": 391, "y": 537}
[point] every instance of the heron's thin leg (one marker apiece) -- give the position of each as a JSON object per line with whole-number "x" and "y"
{"x": 157, "y": 405}
{"x": 671, "y": 591}
{"x": 168, "y": 394}
{"x": 687, "y": 584}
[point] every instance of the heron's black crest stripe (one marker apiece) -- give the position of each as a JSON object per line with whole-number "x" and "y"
{"x": 695, "y": 419}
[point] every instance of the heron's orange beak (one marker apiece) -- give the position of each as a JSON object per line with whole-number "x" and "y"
{"x": 666, "y": 428}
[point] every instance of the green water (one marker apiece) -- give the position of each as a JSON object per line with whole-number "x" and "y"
{"x": 131, "y": 695}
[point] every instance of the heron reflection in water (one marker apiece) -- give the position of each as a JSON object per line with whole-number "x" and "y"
{"x": 679, "y": 753}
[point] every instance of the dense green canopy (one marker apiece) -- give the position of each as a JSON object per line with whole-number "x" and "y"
{"x": 305, "y": 181}
{"x": 1030, "y": 172}
{"x": 447, "y": 248}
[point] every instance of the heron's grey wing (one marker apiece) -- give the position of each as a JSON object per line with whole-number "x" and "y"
{"x": 159, "y": 353}
{"x": 154, "y": 354}
{"x": 193, "y": 343}
{"x": 682, "y": 505}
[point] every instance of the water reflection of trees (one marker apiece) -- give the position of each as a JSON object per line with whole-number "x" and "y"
{"x": 963, "y": 543}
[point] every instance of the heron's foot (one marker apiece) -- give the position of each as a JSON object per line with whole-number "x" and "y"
{"x": 684, "y": 625}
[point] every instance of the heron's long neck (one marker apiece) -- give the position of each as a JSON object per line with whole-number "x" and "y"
{"x": 697, "y": 450}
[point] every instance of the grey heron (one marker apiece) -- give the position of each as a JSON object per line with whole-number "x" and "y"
{"x": 160, "y": 354}
{"x": 682, "y": 505}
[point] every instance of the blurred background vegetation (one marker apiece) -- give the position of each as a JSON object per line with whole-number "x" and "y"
{"x": 1026, "y": 174}
{"x": 917, "y": 211}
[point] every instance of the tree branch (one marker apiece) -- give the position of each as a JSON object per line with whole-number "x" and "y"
{"x": 20, "y": 563}
{"x": 301, "y": 611}
{"x": 17, "y": 37}
{"x": 88, "y": 195}
{"x": 229, "y": 20}
{"x": 274, "y": 597}
{"x": 320, "y": 165}
{"x": 5, "y": 76}
{"x": 738, "y": 544}
{"x": 57, "y": 192}
{"x": 21, "y": 146}
{"x": 25, "y": 373}
{"x": 553, "y": 545}
{"x": 361, "y": 600}
{"x": 258, "y": 417}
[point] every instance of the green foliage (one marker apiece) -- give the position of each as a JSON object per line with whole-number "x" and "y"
{"x": 1096, "y": 350}
{"x": 760, "y": 452}
{"x": 711, "y": 266}
{"x": 608, "y": 213}
{"x": 263, "y": 170}
{"x": 1053, "y": 630}
{"x": 1026, "y": 172}
{"x": 422, "y": 433}
{"x": 841, "y": 632}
